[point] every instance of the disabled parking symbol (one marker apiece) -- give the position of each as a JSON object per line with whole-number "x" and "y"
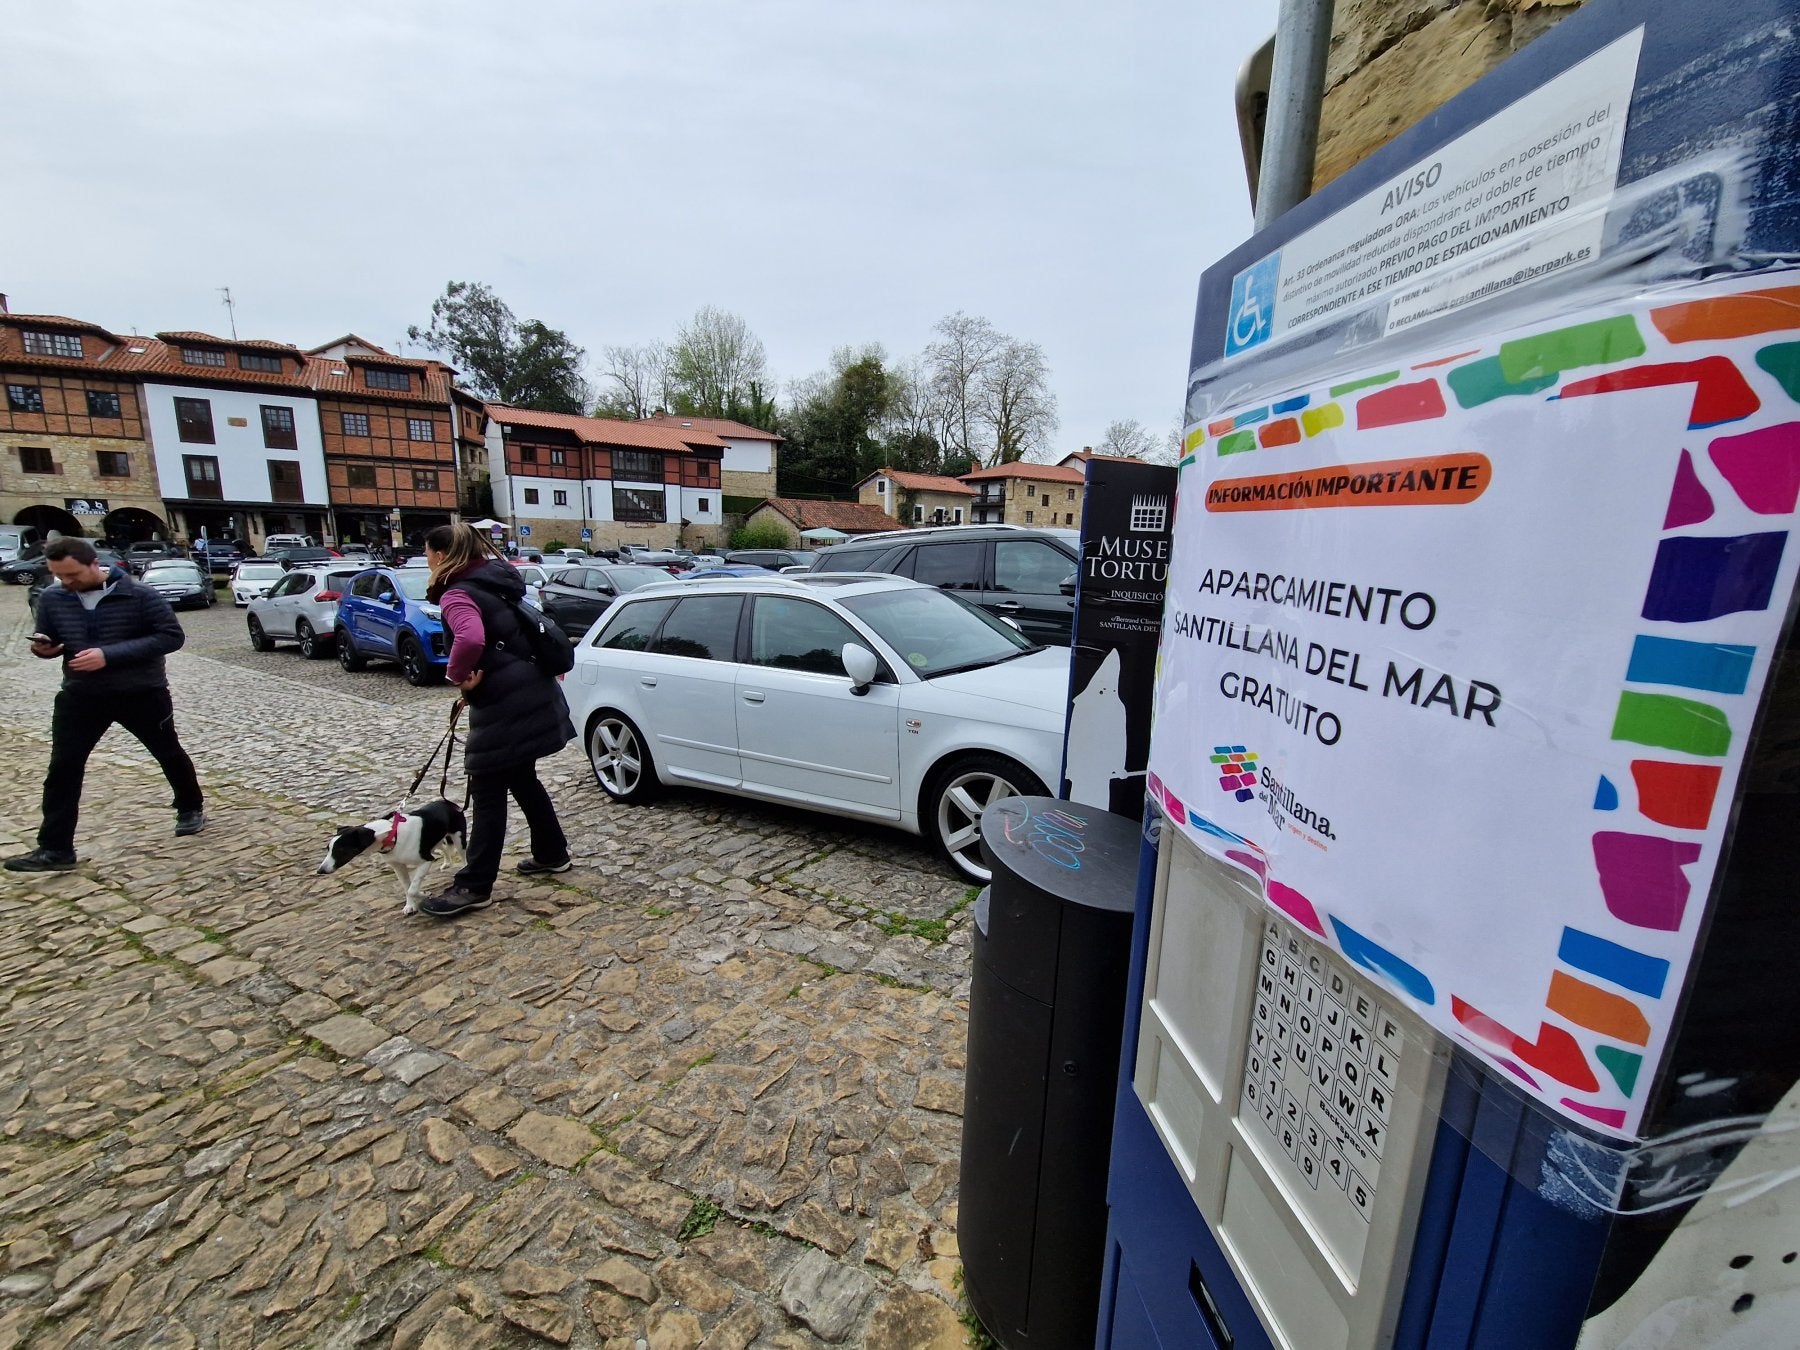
{"x": 1252, "y": 318}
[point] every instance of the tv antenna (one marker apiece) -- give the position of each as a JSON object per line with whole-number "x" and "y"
{"x": 230, "y": 309}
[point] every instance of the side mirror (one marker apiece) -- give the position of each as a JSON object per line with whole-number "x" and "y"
{"x": 1067, "y": 587}
{"x": 860, "y": 664}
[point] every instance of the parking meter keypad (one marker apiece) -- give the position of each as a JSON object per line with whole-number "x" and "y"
{"x": 1320, "y": 1072}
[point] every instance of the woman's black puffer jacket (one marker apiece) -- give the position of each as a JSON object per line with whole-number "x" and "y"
{"x": 517, "y": 713}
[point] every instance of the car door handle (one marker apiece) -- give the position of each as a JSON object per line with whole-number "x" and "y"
{"x": 753, "y": 695}
{"x": 647, "y": 681}
{"x": 1007, "y": 604}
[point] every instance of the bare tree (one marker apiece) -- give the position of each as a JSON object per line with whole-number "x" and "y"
{"x": 717, "y": 367}
{"x": 634, "y": 380}
{"x": 1017, "y": 403}
{"x": 1129, "y": 439}
{"x": 959, "y": 361}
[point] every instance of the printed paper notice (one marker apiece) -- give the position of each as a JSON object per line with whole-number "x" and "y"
{"x": 1517, "y": 198}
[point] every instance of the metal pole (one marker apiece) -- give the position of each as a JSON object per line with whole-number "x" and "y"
{"x": 1296, "y": 89}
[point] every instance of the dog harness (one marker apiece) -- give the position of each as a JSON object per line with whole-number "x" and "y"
{"x": 393, "y": 834}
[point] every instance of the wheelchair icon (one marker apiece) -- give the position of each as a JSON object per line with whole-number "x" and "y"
{"x": 1252, "y": 314}
{"x": 1247, "y": 323}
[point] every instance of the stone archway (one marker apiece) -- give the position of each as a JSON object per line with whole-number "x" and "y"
{"x": 48, "y": 520}
{"x": 131, "y": 524}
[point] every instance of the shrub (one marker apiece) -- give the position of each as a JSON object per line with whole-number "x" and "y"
{"x": 762, "y": 534}
{"x": 552, "y": 545}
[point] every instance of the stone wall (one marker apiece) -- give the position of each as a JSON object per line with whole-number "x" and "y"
{"x": 1394, "y": 61}
{"x": 77, "y": 475}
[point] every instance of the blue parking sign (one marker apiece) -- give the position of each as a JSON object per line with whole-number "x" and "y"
{"x": 586, "y": 535}
{"x": 1252, "y": 317}
{"x": 524, "y": 531}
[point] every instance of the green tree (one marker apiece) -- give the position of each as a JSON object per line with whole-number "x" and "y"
{"x": 526, "y": 364}
{"x": 834, "y": 420}
{"x": 717, "y": 368}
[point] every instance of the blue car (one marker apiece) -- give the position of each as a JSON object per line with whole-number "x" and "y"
{"x": 383, "y": 616}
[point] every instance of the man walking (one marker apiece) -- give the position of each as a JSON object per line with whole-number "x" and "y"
{"x": 112, "y": 633}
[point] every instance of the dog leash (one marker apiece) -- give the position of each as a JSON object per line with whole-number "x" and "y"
{"x": 448, "y": 743}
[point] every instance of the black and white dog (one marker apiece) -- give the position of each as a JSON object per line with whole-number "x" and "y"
{"x": 407, "y": 842}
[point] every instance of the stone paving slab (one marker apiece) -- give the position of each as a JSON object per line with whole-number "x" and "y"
{"x": 703, "y": 1090}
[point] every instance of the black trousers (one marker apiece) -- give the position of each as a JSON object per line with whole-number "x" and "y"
{"x": 80, "y": 720}
{"x": 487, "y": 829}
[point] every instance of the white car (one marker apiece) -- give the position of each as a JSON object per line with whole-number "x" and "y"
{"x": 535, "y": 576}
{"x": 873, "y": 697}
{"x": 251, "y": 580}
{"x": 302, "y": 607}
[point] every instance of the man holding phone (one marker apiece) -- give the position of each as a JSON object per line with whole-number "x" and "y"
{"x": 112, "y": 633}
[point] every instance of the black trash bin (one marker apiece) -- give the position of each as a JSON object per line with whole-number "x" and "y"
{"x": 1046, "y": 1013}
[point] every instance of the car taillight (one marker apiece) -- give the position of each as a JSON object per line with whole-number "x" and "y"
{"x": 328, "y": 595}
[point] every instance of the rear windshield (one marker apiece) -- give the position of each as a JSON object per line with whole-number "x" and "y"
{"x": 255, "y": 571}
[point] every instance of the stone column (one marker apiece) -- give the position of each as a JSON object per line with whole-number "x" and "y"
{"x": 1394, "y": 61}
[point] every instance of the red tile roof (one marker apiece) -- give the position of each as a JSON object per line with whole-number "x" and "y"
{"x": 718, "y": 426}
{"x": 850, "y": 517}
{"x": 1086, "y": 453}
{"x": 1047, "y": 473}
{"x": 54, "y": 321}
{"x": 644, "y": 435}
{"x": 923, "y": 482}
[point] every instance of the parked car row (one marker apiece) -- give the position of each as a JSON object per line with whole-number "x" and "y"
{"x": 360, "y": 613}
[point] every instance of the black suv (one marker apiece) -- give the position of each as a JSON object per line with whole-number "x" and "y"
{"x": 1011, "y": 571}
{"x": 219, "y": 555}
{"x": 774, "y": 559}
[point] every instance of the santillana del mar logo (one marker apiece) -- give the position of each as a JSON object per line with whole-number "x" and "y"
{"x": 1237, "y": 770}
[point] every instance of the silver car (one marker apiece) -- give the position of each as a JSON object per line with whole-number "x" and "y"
{"x": 251, "y": 580}
{"x": 302, "y": 607}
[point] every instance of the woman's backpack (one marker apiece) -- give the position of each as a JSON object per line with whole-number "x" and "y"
{"x": 540, "y": 641}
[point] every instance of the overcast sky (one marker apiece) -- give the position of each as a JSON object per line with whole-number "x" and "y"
{"x": 834, "y": 171}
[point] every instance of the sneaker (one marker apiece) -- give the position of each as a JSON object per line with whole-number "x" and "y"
{"x": 531, "y": 867}
{"x": 41, "y": 860}
{"x": 456, "y": 900}
{"x": 189, "y": 822}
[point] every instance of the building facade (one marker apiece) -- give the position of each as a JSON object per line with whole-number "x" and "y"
{"x": 74, "y": 445}
{"x": 918, "y": 498}
{"x": 605, "y": 482}
{"x": 391, "y": 433}
{"x": 747, "y": 468}
{"x": 1040, "y": 495}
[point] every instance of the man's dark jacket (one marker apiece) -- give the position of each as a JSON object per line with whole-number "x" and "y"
{"x": 132, "y": 625}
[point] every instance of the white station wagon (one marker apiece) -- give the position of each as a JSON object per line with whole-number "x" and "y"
{"x": 868, "y": 696}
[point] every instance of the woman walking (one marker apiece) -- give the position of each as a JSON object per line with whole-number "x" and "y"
{"x": 517, "y": 714}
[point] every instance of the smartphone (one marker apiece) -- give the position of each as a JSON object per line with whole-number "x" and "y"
{"x": 44, "y": 638}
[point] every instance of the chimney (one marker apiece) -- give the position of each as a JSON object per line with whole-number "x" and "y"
{"x": 3, "y": 308}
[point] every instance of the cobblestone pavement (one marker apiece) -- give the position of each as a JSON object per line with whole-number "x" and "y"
{"x": 702, "y": 1091}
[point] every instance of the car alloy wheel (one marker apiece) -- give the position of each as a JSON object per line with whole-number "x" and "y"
{"x": 348, "y": 657}
{"x": 961, "y": 792}
{"x": 21, "y": 578}
{"x": 259, "y": 640}
{"x": 310, "y": 645}
{"x": 622, "y": 765}
{"x": 414, "y": 665}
